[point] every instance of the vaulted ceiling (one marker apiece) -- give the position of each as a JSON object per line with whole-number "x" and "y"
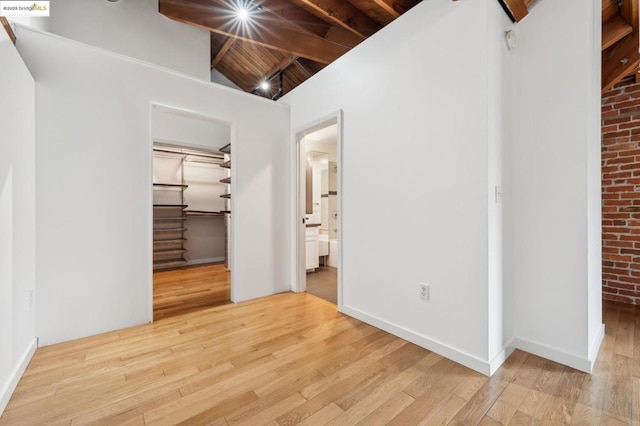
{"x": 620, "y": 41}
{"x": 285, "y": 42}
{"x": 288, "y": 39}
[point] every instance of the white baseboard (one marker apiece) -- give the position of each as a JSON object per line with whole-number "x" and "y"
{"x": 475, "y": 363}
{"x": 208, "y": 260}
{"x": 440, "y": 348}
{"x": 595, "y": 348}
{"x": 501, "y": 357}
{"x": 14, "y": 378}
{"x": 553, "y": 354}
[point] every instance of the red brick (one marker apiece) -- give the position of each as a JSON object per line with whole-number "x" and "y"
{"x": 626, "y": 104}
{"x": 616, "y": 120}
{"x": 622, "y": 286}
{"x": 622, "y": 126}
{"x": 613, "y": 135}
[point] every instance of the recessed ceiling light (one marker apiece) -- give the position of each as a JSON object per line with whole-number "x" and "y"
{"x": 242, "y": 13}
{"x": 265, "y": 85}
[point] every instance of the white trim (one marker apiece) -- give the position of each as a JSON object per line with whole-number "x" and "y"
{"x": 501, "y": 357}
{"x": 233, "y": 158}
{"x": 15, "y": 377}
{"x": 207, "y": 260}
{"x": 440, "y": 348}
{"x": 595, "y": 348}
{"x": 553, "y": 354}
{"x": 298, "y": 284}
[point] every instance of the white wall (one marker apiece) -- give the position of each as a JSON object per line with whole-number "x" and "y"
{"x": 17, "y": 218}
{"x": 555, "y": 181}
{"x": 182, "y": 129}
{"x": 498, "y": 97}
{"x": 94, "y": 184}
{"x": 468, "y": 115}
{"x": 415, "y": 174}
{"x": 134, "y": 28}
{"x": 218, "y": 77}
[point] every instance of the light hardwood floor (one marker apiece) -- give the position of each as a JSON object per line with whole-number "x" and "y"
{"x": 292, "y": 359}
{"x": 181, "y": 291}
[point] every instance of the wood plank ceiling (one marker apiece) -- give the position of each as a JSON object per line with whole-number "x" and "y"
{"x": 620, "y": 41}
{"x": 284, "y": 42}
{"x": 282, "y": 39}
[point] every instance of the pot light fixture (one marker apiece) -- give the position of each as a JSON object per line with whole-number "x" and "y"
{"x": 244, "y": 10}
{"x": 242, "y": 13}
{"x": 265, "y": 86}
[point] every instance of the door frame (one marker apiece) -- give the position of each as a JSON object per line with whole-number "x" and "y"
{"x": 299, "y": 281}
{"x": 154, "y": 106}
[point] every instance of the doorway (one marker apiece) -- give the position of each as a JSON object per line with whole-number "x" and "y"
{"x": 191, "y": 212}
{"x": 319, "y": 209}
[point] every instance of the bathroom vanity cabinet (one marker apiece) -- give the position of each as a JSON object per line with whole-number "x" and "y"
{"x": 312, "y": 235}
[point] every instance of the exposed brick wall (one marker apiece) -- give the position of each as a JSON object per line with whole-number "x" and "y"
{"x": 621, "y": 193}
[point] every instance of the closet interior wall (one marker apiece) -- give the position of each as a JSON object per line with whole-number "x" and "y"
{"x": 189, "y": 223}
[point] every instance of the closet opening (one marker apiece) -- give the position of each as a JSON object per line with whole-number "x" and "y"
{"x": 191, "y": 213}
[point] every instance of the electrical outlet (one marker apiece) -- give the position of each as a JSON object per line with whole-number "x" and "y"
{"x": 30, "y": 297}
{"x": 424, "y": 291}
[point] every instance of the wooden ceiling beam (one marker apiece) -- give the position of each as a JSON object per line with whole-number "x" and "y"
{"x": 388, "y": 7}
{"x": 223, "y": 51}
{"x": 615, "y": 30}
{"x": 310, "y": 66}
{"x": 515, "y": 9}
{"x": 277, "y": 69}
{"x": 309, "y": 22}
{"x": 609, "y": 10}
{"x": 629, "y": 11}
{"x": 267, "y": 30}
{"x": 296, "y": 15}
{"x": 8, "y": 28}
{"x": 343, "y": 14}
{"x": 620, "y": 60}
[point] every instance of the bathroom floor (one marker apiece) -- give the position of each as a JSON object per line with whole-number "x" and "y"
{"x": 323, "y": 283}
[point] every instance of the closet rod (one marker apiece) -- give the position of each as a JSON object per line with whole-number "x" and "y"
{"x": 168, "y": 151}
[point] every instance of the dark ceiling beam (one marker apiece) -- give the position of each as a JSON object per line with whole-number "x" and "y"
{"x": 309, "y": 22}
{"x": 310, "y": 66}
{"x": 223, "y": 51}
{"x": 277, "y": 69}
{"x": 267, "y": 30}
{"x": 341, "y": 36}
{"x": 8, "y": 29}
{"x": 296, "y": 15}
{"x": 304, "y": 70}
{"x": 388, "y": 6}
{"x": 515, "y": 9}
{"x": 619, "y": 61}
{"x": 614, "y": 30}
{"x": 343, "y": 14}
{"x": 629, "y": 11}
